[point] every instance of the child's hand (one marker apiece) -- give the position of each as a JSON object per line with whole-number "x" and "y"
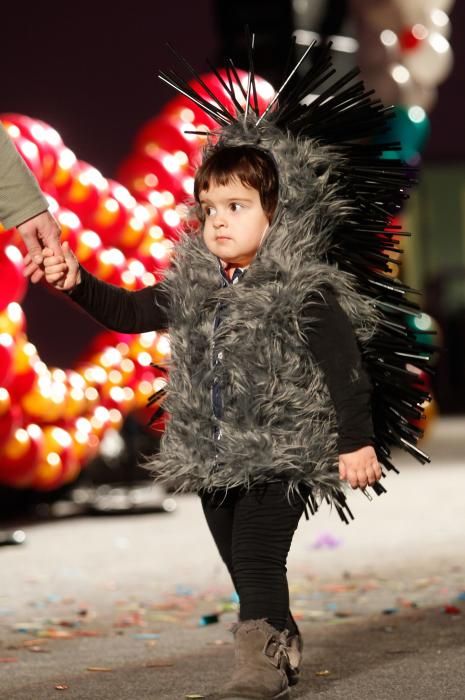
{"x": 360, "y": 468}
{"x": 62, "y": 272}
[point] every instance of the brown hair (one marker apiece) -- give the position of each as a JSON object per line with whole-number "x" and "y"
{"x": 251, "y": 166}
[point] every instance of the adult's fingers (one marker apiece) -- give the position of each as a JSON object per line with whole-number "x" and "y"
{"x": 49, "y": 232}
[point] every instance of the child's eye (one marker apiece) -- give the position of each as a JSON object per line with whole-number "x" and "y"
{"x": 235, "y": 206}
{"x": 209, "y": 211}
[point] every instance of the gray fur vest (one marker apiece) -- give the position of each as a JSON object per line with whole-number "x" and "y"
{"x": 278, "y": 421}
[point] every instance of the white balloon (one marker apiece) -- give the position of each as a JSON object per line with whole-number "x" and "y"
{"x": 431, "y": 62}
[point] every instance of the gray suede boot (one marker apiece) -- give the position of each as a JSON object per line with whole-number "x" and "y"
{"x": 294, "y": 648}
{"x": 261, "y": 661}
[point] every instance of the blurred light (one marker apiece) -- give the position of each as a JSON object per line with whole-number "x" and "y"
{"x": 6, "y": 340}
{"x": 13, "y": 131}
{"x": 304, "y": 37}
{"x": 34, "y": 431}
{"x": 14, "y": 312}
{"x": 83, "y": 425}
{"x": 62, "y": 437}
{"x": 58, "y": 375}
{"x": 187, "y": 115}
{"x": 419, "y": 31}
{"x": 155, "y": 198}
{"x": 14, "y": 254}
{"x": 144, "y": 359}
{"x": 439, "y": 42}
{"x": 122, "y": 195}
{"x": 423, "y": 322}
{"x": 112, "y": 256}
{"x": 90, "y": 239}
{"x": 400, "y": 74}
{"x": 136, "y": 267}
{"x": 158, "y": 250}
{"x": 29, "y": 149}
{"x": 111, "y": 205}
{"x": 170, "y": 164}
{"x": 21, "y": 436}
{"x": 67, "y": 159}
{"x": 416, "y": 114}
{"x": 163, "y": 345}
{"x": 141, "y": 213}
{"x": 167, "y": 198}
{"x": 188, "y": 185}
{"x": 148, "y": 279}
{"x": 181, "y": 157}
{"x": 91, "y": 393}
{"x": 151, "y": 180}
{"x": 147, "y": 339}
{"x": 53, "y": 459}
{"x": 69, "y": 219}
{"x": 115, "y": 376}
{"x": 171, "y": 217}
{"x": 156, "y": 232}
{"x": 123, "y": 348}
{"x": 110, "y": 357}
{"x": 439, "y": 18}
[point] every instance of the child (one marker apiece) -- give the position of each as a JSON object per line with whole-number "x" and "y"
{"x": 252, "y": 516}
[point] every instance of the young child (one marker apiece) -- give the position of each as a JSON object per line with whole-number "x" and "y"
{"x": 269, "y": 401}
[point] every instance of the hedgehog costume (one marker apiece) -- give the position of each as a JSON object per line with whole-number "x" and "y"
{"x": 276, "y": 438}
{"x": 332, "y": 228}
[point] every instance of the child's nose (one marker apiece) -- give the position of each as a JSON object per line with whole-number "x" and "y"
{"x": 219, "y": 220}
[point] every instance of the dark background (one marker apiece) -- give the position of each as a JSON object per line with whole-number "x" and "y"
{"x": 90, "y": 71}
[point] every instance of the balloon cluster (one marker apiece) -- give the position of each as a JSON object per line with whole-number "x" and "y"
{"x": 52, "y": 420}
{"x": 404, "y": 49}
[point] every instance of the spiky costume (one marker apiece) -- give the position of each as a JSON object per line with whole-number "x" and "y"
{"x": 332, "y": 229}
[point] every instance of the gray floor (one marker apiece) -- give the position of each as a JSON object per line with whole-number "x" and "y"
{"x": 125, "y": 594}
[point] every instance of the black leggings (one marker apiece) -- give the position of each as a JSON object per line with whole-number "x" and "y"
{"x": 253, "y": 531}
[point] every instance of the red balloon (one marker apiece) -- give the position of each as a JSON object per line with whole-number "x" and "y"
{"x": 12, "y": 281}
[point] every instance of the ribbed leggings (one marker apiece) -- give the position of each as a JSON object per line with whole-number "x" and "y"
{"x": 253, "y": 532}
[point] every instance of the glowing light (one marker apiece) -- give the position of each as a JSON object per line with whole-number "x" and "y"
{"x": 141, "y": 213}
{"x": 117, "y": 394}
{"x": 388, "y": 37}
{"x": 188, "y": 185}
{"x": 67, "y": 159}
{"x": 170, "y": 164}
{"x": 151, "y": 180}
{"x": 416, "y": 114}
{"x": 110, "y": 357}
{"x": 115, "y": 415}
{"x": 163, "y": 345}
{"x": 14, "y": 312}
{"x": 159, "y": 383}
{"x": 30, "y": 350}
{"x": 158, "y": 251}
{"x": 92, "y": 176}
{"x": 101, "y": 413}
{"x": 423, "y": 322}
{"x": 53, "y": 459}
{"x": 14, "y": 254}
{"x": 34, "y": 431}
{"x": 181, "y": 158}
{"x": 127, "y": 365}
{"x": 187, "y": 115}
{"x": 38, "y": 132}
{"x": 148, "y": 279}
{"x": 58, "y": 375}
{"x": 168, "y": 199}
{"x": 128, "y": 393}
{"x": 439, "y": 18}
{"x": 172, "y": 217}
{"x": 76, "y": 394}
{"x": 145, "y": 388}
{"x": 4, "y": 395}
{"x": 62, "y": 437}
{"x": 136, "y": 267}
{"x": 147, "y": 339}
{"x": 112, "y": 256}
{"x": 400, "y": 74}
{"x": 76, "y": 381}
{"x": 155, "y": 198}
{"x": 123, "y": 348}
{"x": 136, "y": 224}
{"x": 69, "y": 219}
{"x": 115, "y": 376}
{"x": 144, "y": 359}
{"x": 83, "y": 425}
{"x": 111, "y": 205}
{"x": 13, "y": 131}
{"x": 91, "y": 239}
{"x": 29, "y": 149}
{"x": 21, "y": 436}
{"x": 156, "y": 232}
{"x": 122, "y": 195}
{"x": 419, "y": 31}
{"x": 128, "y": 278}
{"x": 6, "y": 340}
{"x": 439, "y": 42}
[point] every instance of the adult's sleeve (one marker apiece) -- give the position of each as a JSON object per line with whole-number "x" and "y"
{"x": 20, "y": 195}
{"x": 119, "y": 309}
{"x": 334, "y": 346}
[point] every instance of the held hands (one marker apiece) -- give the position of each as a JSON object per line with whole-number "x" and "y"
{"x": 360, "y": 468}
{"x": 61, "y": 271}
{"x": 41, "y": 230}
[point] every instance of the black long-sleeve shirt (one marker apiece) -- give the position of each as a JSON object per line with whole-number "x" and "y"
{"x": 331, "y": 340}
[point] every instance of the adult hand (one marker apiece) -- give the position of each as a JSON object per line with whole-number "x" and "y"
{"x": 37, "y": 233}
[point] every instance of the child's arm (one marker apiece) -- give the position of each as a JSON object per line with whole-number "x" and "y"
{"x": 116, "y": 308}
{"x": 333, "y": 343}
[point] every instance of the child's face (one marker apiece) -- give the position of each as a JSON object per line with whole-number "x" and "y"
{"x": 235, "y": 222}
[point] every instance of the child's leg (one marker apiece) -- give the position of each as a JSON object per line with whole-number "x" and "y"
{"x": 263, "y": 527}
{"x": 219, "y": 514}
